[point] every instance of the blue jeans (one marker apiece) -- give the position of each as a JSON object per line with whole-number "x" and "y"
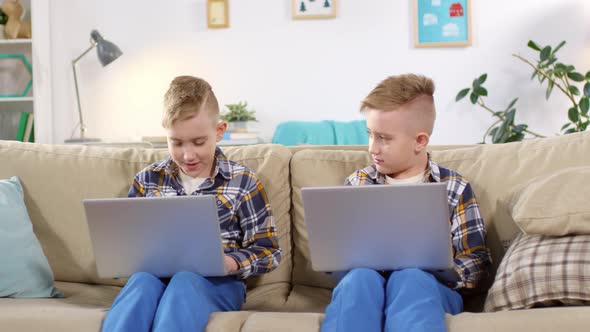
{"x": 409, "y": 300}
{"x": 146, "y": 303}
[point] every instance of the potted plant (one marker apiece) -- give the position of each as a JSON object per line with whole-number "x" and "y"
{"x": 3, "y": 20}
{"x": 237, "y": 117}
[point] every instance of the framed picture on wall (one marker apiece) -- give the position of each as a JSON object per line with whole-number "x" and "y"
{"x": 218, "y": 14}
{"x": 442, "y": 23}
{"x": 313, "y": 9}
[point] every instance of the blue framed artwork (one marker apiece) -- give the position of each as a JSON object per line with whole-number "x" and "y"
{"x": 442, "y": 23}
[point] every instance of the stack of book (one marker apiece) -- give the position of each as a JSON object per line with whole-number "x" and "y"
{"x": 26, "y": 128}
{"x": 240, "y": 138}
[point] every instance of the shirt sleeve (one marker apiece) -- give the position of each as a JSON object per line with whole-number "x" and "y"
{"x": 472, "y": 257}
{"x": 137, "y": 188}
{"x": 260, "y": 251}
{"x": 358, "y": 178}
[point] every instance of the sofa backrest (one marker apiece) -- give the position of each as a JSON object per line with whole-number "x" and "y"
{"x": 493, "y": 170}
{"x": 56, "y": 179}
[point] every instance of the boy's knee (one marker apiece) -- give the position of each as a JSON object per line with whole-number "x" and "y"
{"x": 143, "y": 278}
{"x": 147, "y": 284}
{"x": 361, "y": 278}
{"x": 363, "y": 274}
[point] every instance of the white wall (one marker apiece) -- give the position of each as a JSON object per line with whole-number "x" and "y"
{"x": 302, "y": 70}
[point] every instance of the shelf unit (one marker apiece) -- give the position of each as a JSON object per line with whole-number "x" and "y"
{"x": 16, "y": 41}
{"x": 13, "y": 77}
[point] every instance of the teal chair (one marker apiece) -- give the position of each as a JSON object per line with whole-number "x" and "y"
{"x": 327, "y": 132}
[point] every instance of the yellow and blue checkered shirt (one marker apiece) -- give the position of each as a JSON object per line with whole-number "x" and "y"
{"x": 246, "y": 223}
{"x": 471, "y": 255}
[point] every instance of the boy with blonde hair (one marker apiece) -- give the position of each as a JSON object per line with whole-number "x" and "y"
{"x": 196, "y": 166}
{"x": 400, "y": 116}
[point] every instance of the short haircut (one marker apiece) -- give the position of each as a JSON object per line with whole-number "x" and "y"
{"x": 397, "y": 91}
{"x": 186, "y": 97}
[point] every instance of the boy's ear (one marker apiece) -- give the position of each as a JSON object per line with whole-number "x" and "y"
{"x": 422, "y": 140}
{"x": 220, "y": 129}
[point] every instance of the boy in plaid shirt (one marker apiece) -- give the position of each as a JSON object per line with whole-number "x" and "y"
{"x": 400, "y": 118}
{"x": 196, "y": 166}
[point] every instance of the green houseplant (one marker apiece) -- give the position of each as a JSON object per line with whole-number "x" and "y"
{"x": 237, "y": 116}
{"x": 546, "y": 69}
{"x": 3, "y": 20}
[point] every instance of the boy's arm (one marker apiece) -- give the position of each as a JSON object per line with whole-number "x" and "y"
{"x": 358, "y": 178}
{"x": 260, "y": 251}
{"x": 472, "y": 257}
{"x": 137, "y": 188}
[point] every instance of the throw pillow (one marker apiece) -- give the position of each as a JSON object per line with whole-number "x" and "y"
{"x": 24, "y": 269}
{"x": 553, "y": 205}
{"x": 539, "y": 271}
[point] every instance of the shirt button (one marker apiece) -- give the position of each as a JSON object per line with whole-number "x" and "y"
{"x": 218, "y": 202}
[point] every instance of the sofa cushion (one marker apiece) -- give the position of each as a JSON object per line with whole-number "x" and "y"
{"x": 249, "y": 321}
{"x": 542, "y": 271}
{"x": 82, "y": 309}
{"x": 24, "y": 270}
{"x": 57, "y": 177}
{"x": 539, "y": 320}
{"x": 553, "y": 205}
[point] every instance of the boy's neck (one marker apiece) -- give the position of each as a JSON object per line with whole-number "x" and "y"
{"x": 419, "y": 167}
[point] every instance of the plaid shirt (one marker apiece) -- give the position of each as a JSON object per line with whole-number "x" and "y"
{"x": 468, "y": 231}
{"x": 247, "y": 227}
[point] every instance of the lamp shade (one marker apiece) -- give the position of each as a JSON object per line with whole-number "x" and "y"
{"x": 107, "y": 51}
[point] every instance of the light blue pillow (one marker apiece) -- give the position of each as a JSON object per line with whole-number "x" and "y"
{"x": 24, "y": 270}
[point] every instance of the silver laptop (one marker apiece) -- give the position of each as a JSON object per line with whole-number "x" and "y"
{"x": 382, "y": 227}
{"x": 160, "y": 235}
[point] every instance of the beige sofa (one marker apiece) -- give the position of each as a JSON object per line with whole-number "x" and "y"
{"x": 293, "y": 297}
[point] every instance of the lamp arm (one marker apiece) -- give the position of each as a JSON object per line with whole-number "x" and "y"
{"x": 74, "y": 62}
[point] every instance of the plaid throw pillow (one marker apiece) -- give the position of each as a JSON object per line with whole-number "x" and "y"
{"x": 539, "y": 271}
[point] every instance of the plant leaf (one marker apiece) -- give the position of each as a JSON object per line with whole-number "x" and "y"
{"x": 569, "y": 131}
{"x": 545, "y": 53}
{"x": 473, "y": 98}
{"x": 534, "y": 75}
{"x": 509, "y": 120}
{"x": 572, "y": 114}
{"x": 515, "y": 138}
{"x": 576, "y": 76}
{"x": 565, "y": 126}
{"x": 475, "y": 84}
{"x": 549, "y": 89}
{"x": 574, "y": 90}
{"x": 588, "y": 76}
{"x": 558, "y": 47}
{"x": 512, "y": 103}
{"x": 587, "y": 89}
{"x": 560, "y": 68}
{"x": 493, "y": 131}
{"x": 462, "y": 94}
{"x": 481, "y": 91}
{"x": 482, "y": 79}
{"x": 520, "y": 128}
{"x": 533, "y": 45}
{"x": 584, "y": 105}
{"x": 498, "y": 134}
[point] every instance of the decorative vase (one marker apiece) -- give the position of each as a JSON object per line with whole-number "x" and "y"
{"x": 237, "y": 126}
